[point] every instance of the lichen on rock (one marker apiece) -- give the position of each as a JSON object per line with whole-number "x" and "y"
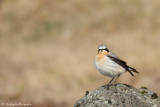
{"x": 119, "y": 95}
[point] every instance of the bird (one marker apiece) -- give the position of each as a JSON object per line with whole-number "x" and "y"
{"x": 109, "y": 64}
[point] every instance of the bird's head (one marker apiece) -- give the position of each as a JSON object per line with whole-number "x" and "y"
{"x": 102, "y": 47}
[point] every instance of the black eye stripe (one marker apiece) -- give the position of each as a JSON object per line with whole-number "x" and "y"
{"x": 103, "y": 49}
{"x": 106, "y": 49}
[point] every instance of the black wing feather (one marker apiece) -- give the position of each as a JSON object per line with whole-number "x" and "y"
{"x": 123, "y": 64}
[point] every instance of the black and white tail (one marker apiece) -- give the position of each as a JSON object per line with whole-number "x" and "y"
{"x": 132, "y": 69}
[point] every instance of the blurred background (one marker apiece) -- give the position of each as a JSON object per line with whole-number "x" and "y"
{"x": 48, "y": 47}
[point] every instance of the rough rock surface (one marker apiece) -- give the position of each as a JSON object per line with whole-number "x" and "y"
{"x": 119, "y": 95}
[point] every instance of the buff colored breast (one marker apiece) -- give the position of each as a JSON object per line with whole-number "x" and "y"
{"x": 100, "y": 58}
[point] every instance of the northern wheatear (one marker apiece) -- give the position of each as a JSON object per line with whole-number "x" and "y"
{"x": 110, "y": 64}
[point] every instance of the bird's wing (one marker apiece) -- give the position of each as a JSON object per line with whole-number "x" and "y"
{"x": 122, "y": 63}
{"x": 115, "y": 57}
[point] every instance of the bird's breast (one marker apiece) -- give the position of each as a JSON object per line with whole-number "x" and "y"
{"x": 108, "y": 67}
{"x": 101, "y": 57}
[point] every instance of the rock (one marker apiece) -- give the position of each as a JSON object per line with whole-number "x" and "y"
{"x": 119, "y": 95}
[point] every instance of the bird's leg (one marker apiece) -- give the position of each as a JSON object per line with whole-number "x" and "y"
{"x": 111, "y": 81}
{"x": 114, "y": 81}
{"x": 116, "y": 78}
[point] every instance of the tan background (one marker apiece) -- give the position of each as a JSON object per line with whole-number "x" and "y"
{"x": 48, "y": 47}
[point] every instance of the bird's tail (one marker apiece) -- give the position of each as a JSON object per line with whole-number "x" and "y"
{"x": 132, "y": 69}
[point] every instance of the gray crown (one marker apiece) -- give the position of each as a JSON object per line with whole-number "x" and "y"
{"x": 102, "y": 46}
